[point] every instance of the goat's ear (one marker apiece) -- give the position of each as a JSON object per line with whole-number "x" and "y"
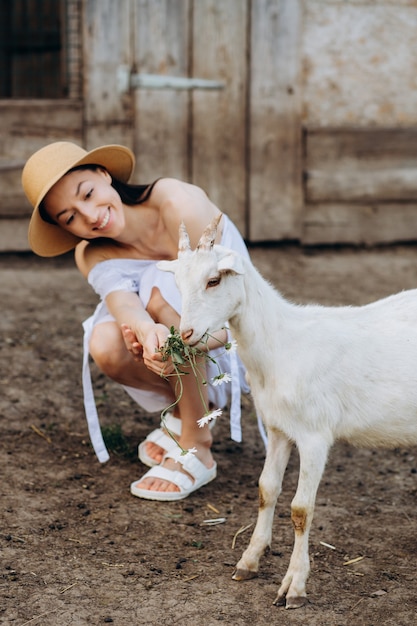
{"x": 231, "y": 263}
{"x": 167, "y": 266}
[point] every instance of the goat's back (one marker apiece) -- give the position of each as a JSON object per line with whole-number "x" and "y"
{"x": 347, "y": 371}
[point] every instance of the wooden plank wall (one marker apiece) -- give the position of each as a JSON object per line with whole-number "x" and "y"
{"x": 311, "y": 139}
{"x": 26, "y": 126}
{"x": 361, "y": 185}
{"x": 360, "y": 121}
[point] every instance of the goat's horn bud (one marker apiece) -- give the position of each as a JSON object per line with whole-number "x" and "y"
{"x": 184, "y": 240}
{"x": 209, "y": 235}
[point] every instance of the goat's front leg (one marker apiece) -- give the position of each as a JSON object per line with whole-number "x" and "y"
{"x": 270, "y": 482}
{"x": 313, "y": 450}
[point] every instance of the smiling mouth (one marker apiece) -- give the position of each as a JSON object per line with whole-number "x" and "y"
{"x": 105, "y": 220}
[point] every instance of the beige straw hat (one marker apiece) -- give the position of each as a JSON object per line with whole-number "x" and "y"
{"x": 44, "y": 168}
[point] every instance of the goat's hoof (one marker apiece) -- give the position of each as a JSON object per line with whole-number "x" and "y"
{"x": 296, "y": 602}
{"x": 279, "y": 601}
{"x": 244, "y": 574}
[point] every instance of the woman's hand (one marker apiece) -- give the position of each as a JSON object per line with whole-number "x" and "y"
{"x": 154, "y": 340}
{"x": 132, "y": 344}
{"x": 147, "y": 350}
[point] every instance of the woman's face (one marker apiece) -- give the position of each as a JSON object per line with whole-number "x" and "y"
{"x": 84, "y": 203}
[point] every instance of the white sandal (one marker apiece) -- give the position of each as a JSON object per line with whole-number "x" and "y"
{"x": 160, "y": 438}
{"x": 201, "y": 475}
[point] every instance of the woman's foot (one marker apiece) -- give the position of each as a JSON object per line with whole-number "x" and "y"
{"x": 177, "y": 477}
{"x": 157, "y": 484}
{"x": 155, "y": 452}
{"x": 152, "y": 450}
{"x": 164, "y": 439}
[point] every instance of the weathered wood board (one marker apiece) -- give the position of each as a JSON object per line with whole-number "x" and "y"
{"x": 348, "y": 223}
{"x": 161, "y": 43}
{"x": 360, "y": 121}
{"x": 13, "y": 235}
{"x": 361, "y": 165}
{"x": 26, "y": 126}
{"x": 218, "y": 132}
{"x": 360, "y": 63}
{"x": 107, "y": 32}
{"x": 274, "y": 124}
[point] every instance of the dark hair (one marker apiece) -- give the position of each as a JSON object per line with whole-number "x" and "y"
{"x": 129, "y": 194}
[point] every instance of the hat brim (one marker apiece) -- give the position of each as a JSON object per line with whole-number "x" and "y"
{"x": 49, "y": 240}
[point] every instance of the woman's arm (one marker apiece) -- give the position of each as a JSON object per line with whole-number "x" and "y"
{"x": 142, "y": 335}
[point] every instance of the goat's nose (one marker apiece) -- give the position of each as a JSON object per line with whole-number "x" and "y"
{"x": 186, "y": 334}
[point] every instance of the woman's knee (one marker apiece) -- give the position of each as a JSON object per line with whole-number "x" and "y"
{"x": 110, "y": 354}
{"x": 107, "y": 348}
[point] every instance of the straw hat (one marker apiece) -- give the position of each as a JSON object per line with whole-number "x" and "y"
{"x": 44, "y": 168}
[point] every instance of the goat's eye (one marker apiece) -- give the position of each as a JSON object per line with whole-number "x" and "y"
{"x": 213, "y": 282}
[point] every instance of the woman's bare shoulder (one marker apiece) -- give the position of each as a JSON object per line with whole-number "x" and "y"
{"x": 173, "y": 188}
{"x": 89, "y": 253}
{"x": 184, "y": 202}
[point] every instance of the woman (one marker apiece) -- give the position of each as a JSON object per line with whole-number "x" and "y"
{"x": 82, "y": 200}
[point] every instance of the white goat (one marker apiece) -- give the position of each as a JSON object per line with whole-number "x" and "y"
{"x": 317, "y": 374}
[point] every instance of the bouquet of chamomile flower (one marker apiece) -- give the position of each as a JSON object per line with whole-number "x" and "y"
{"x": 185, "y": 360}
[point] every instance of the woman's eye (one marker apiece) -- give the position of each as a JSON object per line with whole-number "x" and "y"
{"x": 69, "y": 220}
{"x": 89, "y": 194}
{"x": 213, "y": 282}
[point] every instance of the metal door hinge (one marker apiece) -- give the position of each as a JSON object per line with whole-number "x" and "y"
{"x": 127, "y": 81}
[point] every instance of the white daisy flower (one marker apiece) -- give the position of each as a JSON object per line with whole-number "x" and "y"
{"x": 207, "y": 418}
{"x": 181, "y": 453}
{"x": 187, "y": 453}
{"x": 221, "y": 378}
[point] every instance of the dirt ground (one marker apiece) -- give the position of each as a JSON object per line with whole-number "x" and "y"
{"x": 77, "y": 548}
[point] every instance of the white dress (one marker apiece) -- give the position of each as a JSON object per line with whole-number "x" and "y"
{"x": 140, "y": 276}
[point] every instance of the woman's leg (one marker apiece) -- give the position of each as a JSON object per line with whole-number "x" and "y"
{"x": 112, "y": 357}
{"x": 110, "y": 354}
{"x": 191, "y": 406}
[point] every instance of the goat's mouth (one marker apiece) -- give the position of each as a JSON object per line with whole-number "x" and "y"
{"x": 196, "y": 342}
{"x": 193, "y": 341}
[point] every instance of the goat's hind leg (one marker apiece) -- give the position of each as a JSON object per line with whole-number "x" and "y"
{"x": 270, "y": 483}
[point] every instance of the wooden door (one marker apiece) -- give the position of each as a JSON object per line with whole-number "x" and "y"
{"x": 241, "y": 142}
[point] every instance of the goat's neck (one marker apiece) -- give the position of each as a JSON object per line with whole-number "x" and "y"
{"x": 260, "y": 317}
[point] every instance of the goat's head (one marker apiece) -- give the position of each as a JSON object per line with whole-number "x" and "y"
{"x": 207, "y": 278}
